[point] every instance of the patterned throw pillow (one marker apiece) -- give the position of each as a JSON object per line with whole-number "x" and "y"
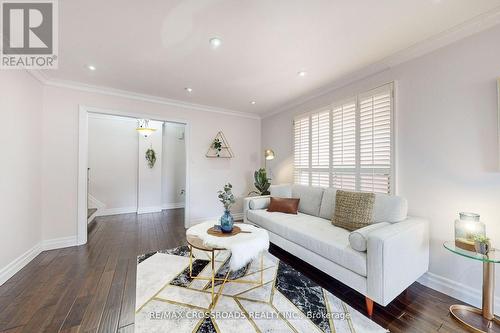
{"x": 353, "y": 210}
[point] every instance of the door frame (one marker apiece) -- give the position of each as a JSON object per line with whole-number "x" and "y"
{"x": 83, "y": 126}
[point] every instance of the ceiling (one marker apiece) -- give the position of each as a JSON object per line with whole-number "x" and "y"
{"x": 160, "y": 47}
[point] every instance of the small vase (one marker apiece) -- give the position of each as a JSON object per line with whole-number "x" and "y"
{"x": 482, "y": 247}
{"x": 226, "y": 222}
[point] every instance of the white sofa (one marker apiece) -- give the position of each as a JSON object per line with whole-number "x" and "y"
{"x": 397, "y": 247}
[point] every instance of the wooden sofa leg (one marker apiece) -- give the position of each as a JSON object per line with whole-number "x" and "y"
{"x": 369, "y": 306}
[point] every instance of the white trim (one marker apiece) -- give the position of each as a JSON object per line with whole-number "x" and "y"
{"x": 37, "y": 74}
{"x": 84, "y": 112}
{"x": 456, "y": 289}
{"x": 475, "y": 25}
{"x": 173, "y": 205}
{"x": 80, "y": 86}
{"x": 111, "y": 117}
{"x": 82, "y": 209}
{"x": 18, "y": 263}
{"x": 237, "y": 216}
{"x": 215, "y": 219}
{"x": 151, "y": 209}
{"x": 94, "y": 202}
{"x": 498, "y": 120}
{"x": 116, "y": 211}
{"x": 58, "y": 243}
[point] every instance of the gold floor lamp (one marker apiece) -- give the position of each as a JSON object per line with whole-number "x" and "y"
{"x": 268, "y": 155}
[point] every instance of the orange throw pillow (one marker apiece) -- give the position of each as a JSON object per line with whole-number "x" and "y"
{"x": 284, "y": 205}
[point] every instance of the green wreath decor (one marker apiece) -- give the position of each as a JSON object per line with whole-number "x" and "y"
{"x": 151, "y": 157}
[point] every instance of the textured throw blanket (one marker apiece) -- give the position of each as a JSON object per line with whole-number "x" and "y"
{"x": 244, "y": 247}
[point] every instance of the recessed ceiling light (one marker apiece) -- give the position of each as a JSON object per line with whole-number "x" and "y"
{"x": 215, "y": 42}
{"x": 188, "y": 89}
{"x": 91, "y": 67}
{"x": 253, "y": 102}
{"x": 302, "y": 73}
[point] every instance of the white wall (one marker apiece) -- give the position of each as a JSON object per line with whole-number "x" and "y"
{"x": 207, "y": 175}
{"x": 173, "y": 166}
{"x": 113, "y": 162}
{"x": 150, "y": 179}
{"x": 447, "y": 150}
{"x": 20, "y": 185}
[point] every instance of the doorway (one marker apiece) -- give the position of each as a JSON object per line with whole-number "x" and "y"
{"x": 130, "y": 171}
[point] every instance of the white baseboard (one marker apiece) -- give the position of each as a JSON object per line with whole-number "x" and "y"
{"x": 455, "y": 289}
{"x": 58, "y": 243}
{"x": 115, "y": 211}
{"x": 173, "y": 205}
{"x": 236, "y": 216}
{"x": 17, "y": 264}
{"x": 152, "y": 209}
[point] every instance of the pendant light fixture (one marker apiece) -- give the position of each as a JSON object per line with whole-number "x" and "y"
{"x": 143, "y": 127}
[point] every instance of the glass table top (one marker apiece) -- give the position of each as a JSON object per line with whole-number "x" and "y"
{"x": 492, "y": 256}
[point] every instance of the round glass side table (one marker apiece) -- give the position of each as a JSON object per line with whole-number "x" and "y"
{"x": 479, "y": 320}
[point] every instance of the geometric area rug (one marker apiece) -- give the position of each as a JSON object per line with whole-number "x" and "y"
{"x": 167, "y": 300}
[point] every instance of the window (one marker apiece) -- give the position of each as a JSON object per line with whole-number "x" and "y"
{"x": 348, "y": 146}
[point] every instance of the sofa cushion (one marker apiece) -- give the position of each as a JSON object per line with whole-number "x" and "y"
{"x": 359, "y": 238}
{"x": 315, "y": 234}
{"x": 310, "y": 198}
{"x": 259, "y": 203}
{"x": 284, "y": 205}
{"x": 281, "y": 191}
{"x": 353, "y": 210}
{"x": 390, "y": 208}
{"x": 328, "y": 203}
{"x": 387, "y": 208}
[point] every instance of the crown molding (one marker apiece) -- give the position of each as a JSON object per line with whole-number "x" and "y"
{"x": 40, "y": 76}
{"x": 37, "y": 74}
{"x": 475, "y": 25}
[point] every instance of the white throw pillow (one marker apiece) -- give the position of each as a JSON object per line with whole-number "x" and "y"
{"x": 328, "y": 203}
{"x": 310, "y": 198}
{"x": 259, "y": 203}
{"x": 281, "y": 191}
{"x": 359, "y": 238}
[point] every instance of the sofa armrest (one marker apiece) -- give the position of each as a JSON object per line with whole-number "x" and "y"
{"x": 397, "y": 255}
{"x": 258, "y": 202}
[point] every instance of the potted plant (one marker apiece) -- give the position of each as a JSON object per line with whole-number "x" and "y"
{"x": 482, "y": 244}
{"x": 227, "y": 198}
{"x": 261, "y": 182}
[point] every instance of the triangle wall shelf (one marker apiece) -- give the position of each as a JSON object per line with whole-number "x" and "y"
{"x": 220, "y": 147}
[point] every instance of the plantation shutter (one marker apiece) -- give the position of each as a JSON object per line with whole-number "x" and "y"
{"x": 344, "y": 146}
{"x": 375, "y": 142}
{"x": 320, "y": 148}
{"x": 301, "y": 150}
{"x": 348, "y": 147}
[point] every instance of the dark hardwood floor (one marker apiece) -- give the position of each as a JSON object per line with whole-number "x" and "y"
{"x": 91, "y": 288}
